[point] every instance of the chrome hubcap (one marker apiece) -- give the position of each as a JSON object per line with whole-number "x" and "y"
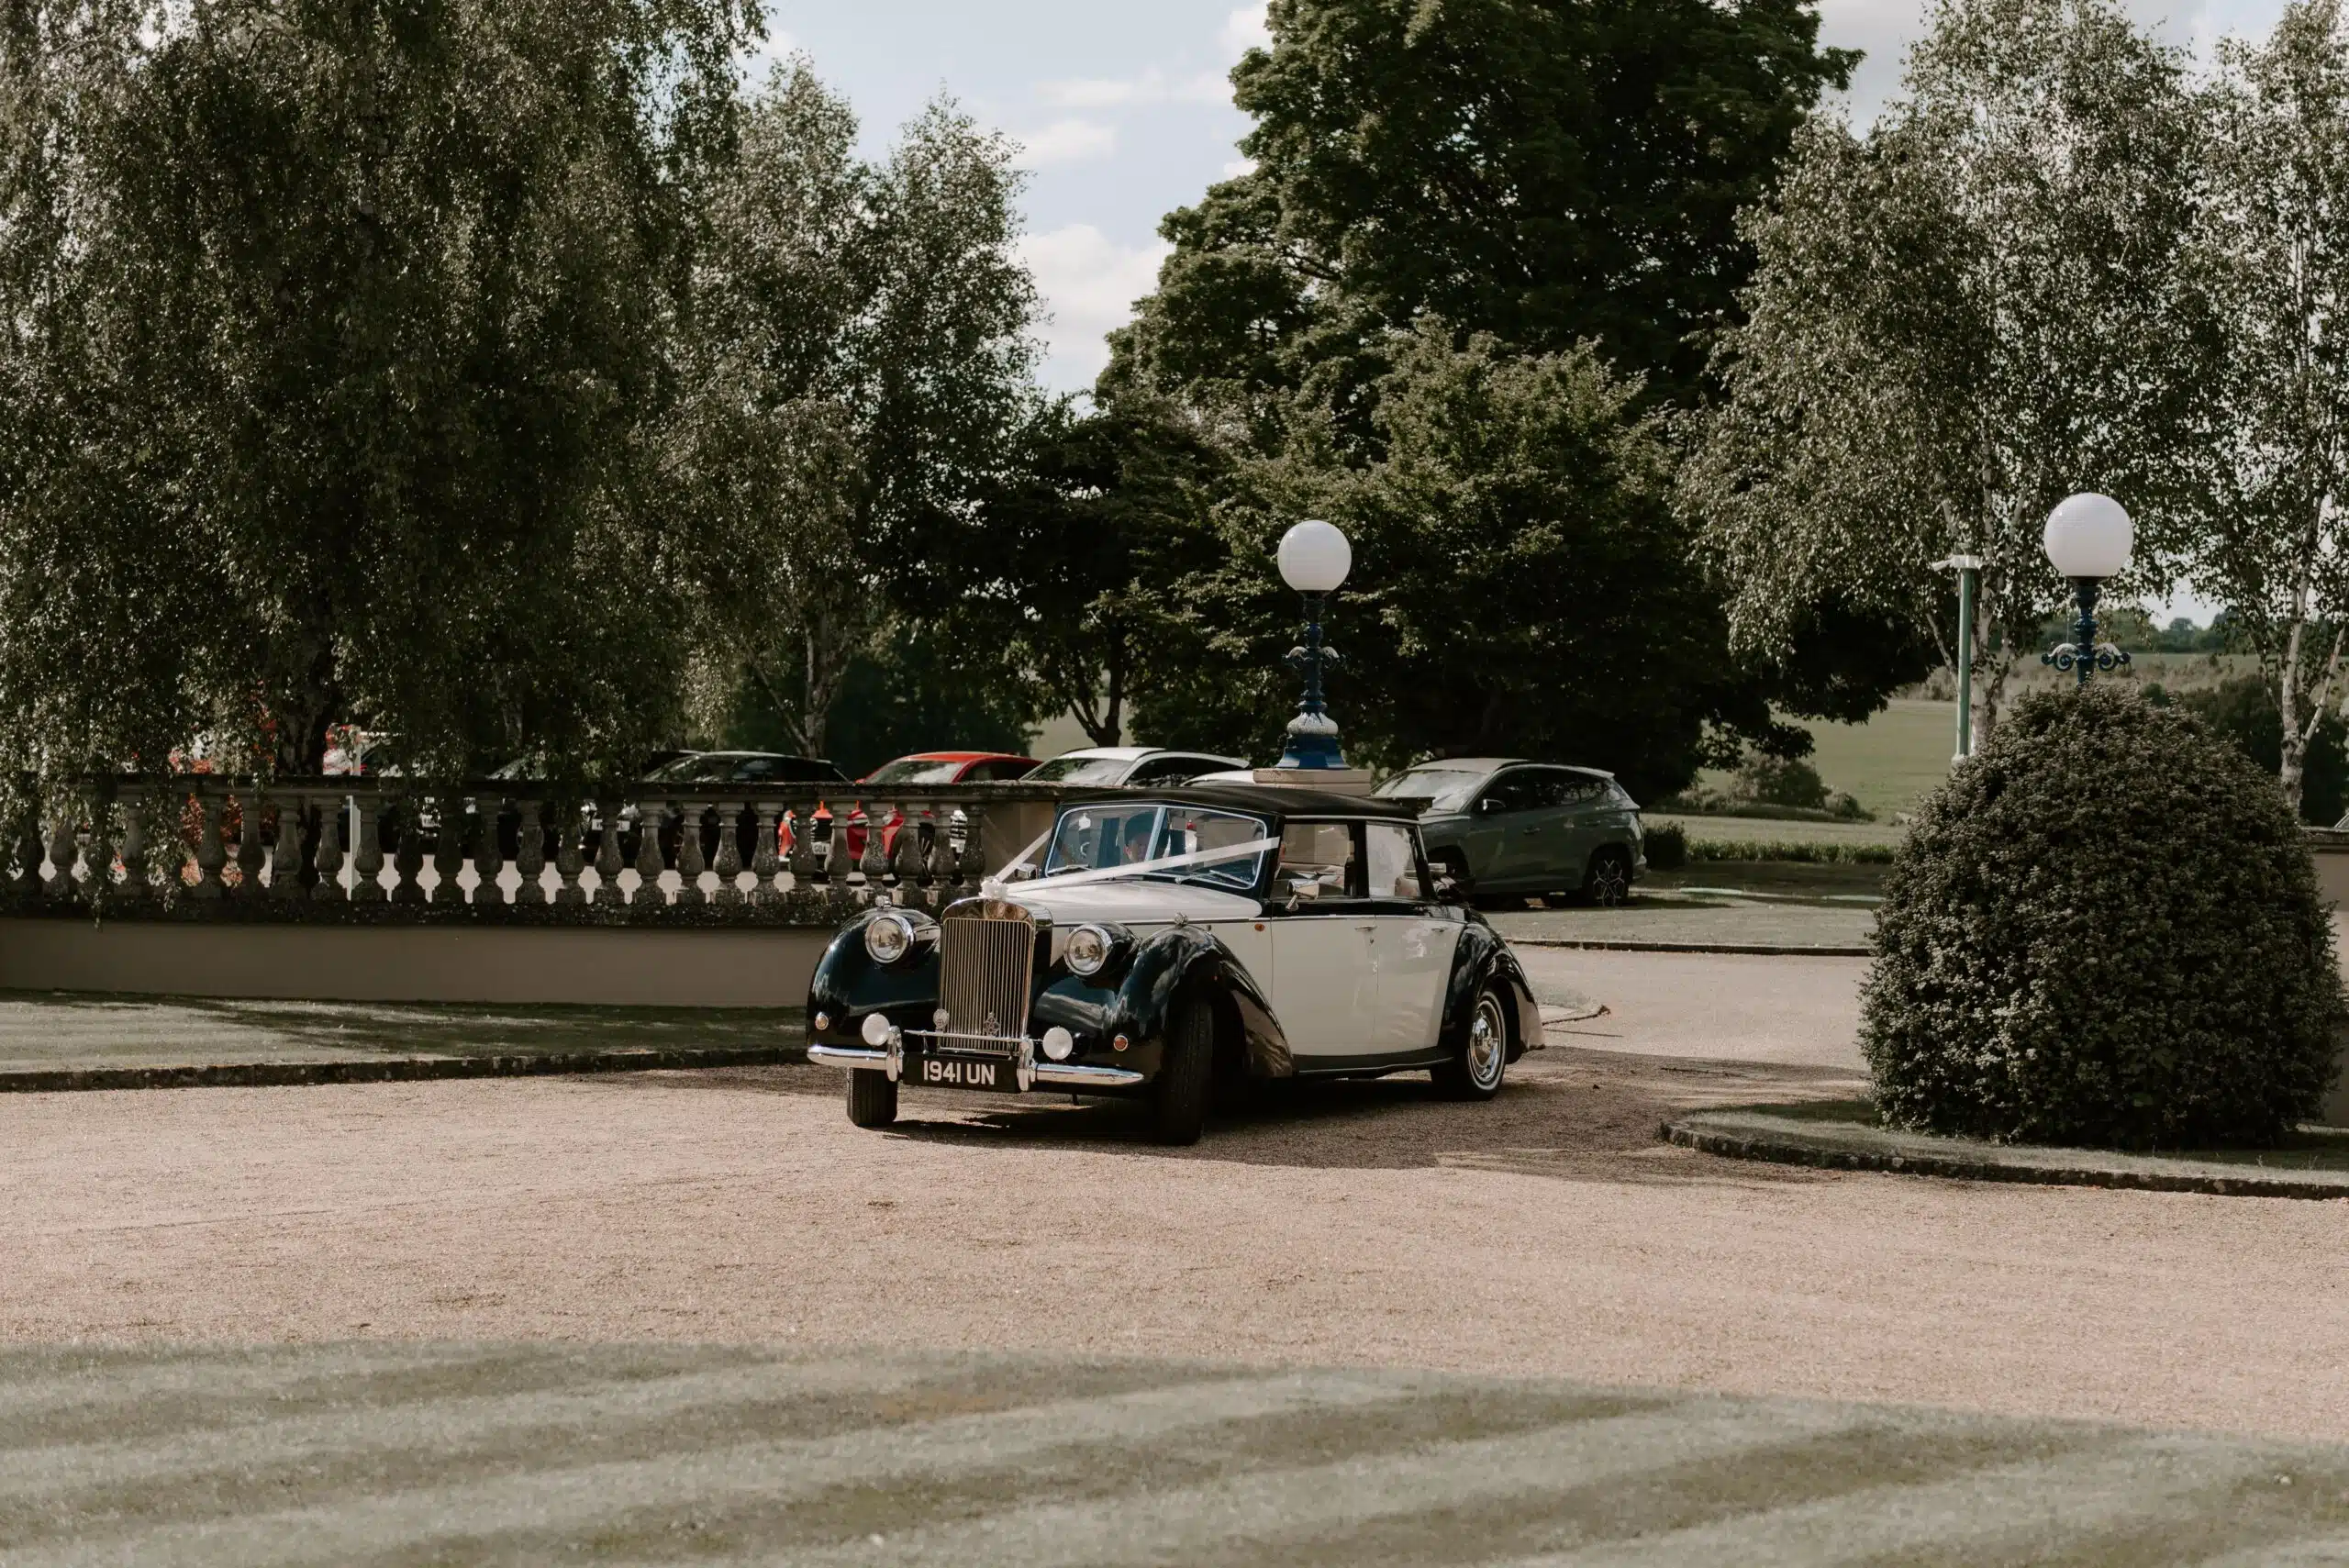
{"x": 1488, "y": 1044}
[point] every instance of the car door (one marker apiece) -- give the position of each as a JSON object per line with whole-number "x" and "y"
{"x": 1500, "y": 829}
{"x": 1413, "y": 945}
{"x": 1586, "y": 821}
{"x": 1325, "y": 972}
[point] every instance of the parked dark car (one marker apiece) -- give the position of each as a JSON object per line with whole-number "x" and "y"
{"x": 1503, "y": 827}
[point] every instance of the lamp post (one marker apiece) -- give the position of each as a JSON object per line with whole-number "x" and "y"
{"x": 1315, "y": 558}
{"x": 2089, "y": 539}
{"x": 1969, "y": 579}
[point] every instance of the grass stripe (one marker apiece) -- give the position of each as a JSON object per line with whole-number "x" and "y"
{"x": 1193, "y": 1525}
{"x": 573, "y": 1500}
{"x": 2023, "y": 1512}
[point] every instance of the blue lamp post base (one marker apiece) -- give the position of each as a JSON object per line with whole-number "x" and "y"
{"x": 1315, "y": 758}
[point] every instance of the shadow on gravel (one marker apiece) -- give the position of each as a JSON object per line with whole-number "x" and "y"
{"x": 1567, "y": 1115}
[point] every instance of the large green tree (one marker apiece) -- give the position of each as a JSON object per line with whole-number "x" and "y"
{"x": 1960, "y": 318}
{"x": 2271, "y": 451}
{"x": 1547, "y": 171}
{"x": 1520, "y": 582}
{"x": 333, "y": 335}
{"x": 859, "y": 365}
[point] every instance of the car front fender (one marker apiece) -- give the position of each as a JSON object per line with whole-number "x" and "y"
{"x": 1175, "y": 963}
{"x": 847, "y": 986}
{"x": 1482, "y": 958}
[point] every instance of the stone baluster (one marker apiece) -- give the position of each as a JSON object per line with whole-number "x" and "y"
{"x": 905, "y": 856}
{"x": 764, "y": 862}
{"x": 803, "y": 849}
{"x": 64, "y": 850}
{"x": 568, "y": 862}
{"x": 971, "y": 865}
{"x": 649, "y": 817}
{"x": 875, "y": 862}
{"x": 367, "y": 860}
{"x": 690, "y": 864}
{"x": 285, "y": 860}
{"x": 28, "y": 853}
{"x": 937, "y": 859}
{"x": 607, "y": 856}
{"x": 101, "y": 860}
{"x": 449, "y": 848}
{"x": 327, "y": 858}
{"x": 137, "y": 878}
{"x": 530, "y": 852}
{"x": 729, "y": 865}
{"x": 210, "y": 853}
{"x": 249, "y": 856}
{"x": 489, "y": 855}
{"x": 408, "y": 861}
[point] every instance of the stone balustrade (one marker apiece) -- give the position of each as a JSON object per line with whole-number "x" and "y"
{"x": 202, "y": 846}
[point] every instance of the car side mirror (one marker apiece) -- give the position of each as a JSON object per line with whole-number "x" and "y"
{"x": 1303, "y": 890}
{"x": 1447, "y": 891}
{"x": 1491, "y": 806}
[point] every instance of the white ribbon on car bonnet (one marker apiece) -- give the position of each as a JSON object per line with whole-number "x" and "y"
{"x": 994, "y": 887}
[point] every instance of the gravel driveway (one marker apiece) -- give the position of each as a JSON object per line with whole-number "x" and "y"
{"x": 1545, "y": 1233}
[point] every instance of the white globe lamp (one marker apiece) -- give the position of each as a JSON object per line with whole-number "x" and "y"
{"x": 1315, "y": 557}
{"x": 2090, "y": 535}
{"x": 2090, "y": 539}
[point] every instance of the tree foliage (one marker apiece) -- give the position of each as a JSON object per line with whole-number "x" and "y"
{"x": 2270, "y": 453}
{"x": 861, "y": 359}
{"x": 331, "y": 340}
{"x": 1519, "y": 582}
{"x": 1958, "y": 319}
{"x": 1547, "y": 171}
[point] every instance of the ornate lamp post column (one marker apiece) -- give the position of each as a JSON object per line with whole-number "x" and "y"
{"x": 1315, "y": 558}
{"x": 2090, "y": 539}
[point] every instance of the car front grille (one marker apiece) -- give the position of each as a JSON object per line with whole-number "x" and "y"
{"x": 988, "y": 956}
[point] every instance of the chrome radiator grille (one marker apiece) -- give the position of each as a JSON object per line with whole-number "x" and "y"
{"x": 987, "y": 966}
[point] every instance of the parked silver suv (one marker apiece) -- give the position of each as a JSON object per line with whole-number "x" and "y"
{"x": 1502, "y": 825}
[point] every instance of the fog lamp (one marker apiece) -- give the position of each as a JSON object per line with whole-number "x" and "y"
{"x": 823, "y": 1022}
{"x": 877, "y": 1029}
{"x": 1059, "y": 1043}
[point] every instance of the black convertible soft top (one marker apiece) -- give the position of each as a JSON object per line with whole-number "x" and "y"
{"x": 1263, "y": 800}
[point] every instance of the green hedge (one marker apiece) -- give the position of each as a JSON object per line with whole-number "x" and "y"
{"x": 2104, "y": 929}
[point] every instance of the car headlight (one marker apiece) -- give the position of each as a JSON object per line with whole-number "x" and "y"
{"x": 1088, "y": 950}
{"x": 888, "y": 938}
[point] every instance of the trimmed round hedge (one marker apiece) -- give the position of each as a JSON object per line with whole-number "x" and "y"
{"x": 2104, "y": 929}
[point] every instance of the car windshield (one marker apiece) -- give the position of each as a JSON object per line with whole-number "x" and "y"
{"x": 1081, "y": 770}
{"x": 1104, "y": 838}
{"x": 916, "y": 770}
{"x": 1450, "y": 788}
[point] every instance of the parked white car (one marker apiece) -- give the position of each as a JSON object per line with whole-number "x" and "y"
{"x": 1168, "y": 941}
{"x": 1132, "y": 767}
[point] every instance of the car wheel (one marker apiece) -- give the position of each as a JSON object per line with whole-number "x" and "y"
{"x": 1178, "y": 1101}
{"x": 1609, "y": 881}
{"x": 872, "y": 1098}
{"x": 1476, "y": 1071}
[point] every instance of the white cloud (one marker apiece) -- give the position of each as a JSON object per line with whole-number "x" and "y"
{"x": 1089, "y": 282}
{"x": 1245, "y": 30}
{"x": 1153, "y": 86}
{"x": 1066, "y": 141}
{"x": 1239, "y": 166}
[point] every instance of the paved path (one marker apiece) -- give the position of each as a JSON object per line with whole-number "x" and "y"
{"x": 382, "y": 1455}
{"x": 1714, "y": 1007}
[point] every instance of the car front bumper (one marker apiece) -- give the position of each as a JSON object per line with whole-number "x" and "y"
{"x": 1031, "y": 1071}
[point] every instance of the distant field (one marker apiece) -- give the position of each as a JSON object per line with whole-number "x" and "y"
{"x": 1885, "y": 764}
{"x": 1770, "y": 830}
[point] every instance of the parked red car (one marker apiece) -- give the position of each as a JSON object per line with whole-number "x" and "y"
{"x": 933, "y": 768}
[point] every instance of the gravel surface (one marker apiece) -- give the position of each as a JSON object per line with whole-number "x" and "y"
{"x": 1547, "y": 1232}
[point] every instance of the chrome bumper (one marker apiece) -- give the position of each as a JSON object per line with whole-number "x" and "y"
{"x": 1055, "y": 1074}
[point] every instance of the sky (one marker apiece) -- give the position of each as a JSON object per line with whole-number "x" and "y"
{"x": 1123, "y": 113}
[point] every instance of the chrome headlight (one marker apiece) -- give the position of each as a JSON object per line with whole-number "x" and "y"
{"x": 1089, "y": 949}
{"x": 888, "y": 938}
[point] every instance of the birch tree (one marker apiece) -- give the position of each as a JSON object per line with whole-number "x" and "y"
{"x": 1958, "y": 319}
{"x": 2272, "y": 259}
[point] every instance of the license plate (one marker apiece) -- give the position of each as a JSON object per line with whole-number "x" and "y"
{"x": 940, "y": 1072}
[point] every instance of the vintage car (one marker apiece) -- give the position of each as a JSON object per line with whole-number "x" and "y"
{"x": 1158, "y": 945}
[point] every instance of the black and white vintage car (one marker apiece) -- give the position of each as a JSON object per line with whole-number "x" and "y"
{"x": 1158, "y": 945}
